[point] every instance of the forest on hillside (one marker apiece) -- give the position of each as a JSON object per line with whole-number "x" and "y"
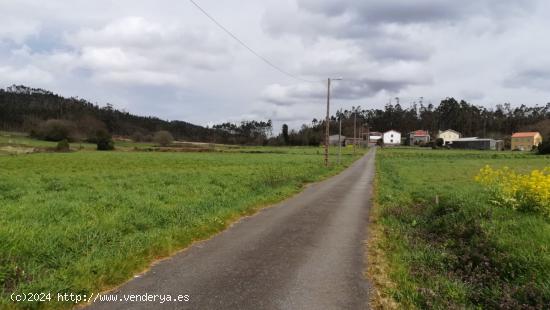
{"x": 28, "y": 109}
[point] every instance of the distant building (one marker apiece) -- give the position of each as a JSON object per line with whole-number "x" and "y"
{"x": 449, "y": 136}
{"x": 525, "y": 141}
{"x": 374, "y": 136}
{"x": 475, "y": 143}
{"x": 419, "y": 137}
{"x": 392, "y": 137}
{"x": 333, "y": 140}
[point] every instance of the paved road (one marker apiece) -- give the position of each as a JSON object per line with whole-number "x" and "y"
{"x": 304, "y": 253}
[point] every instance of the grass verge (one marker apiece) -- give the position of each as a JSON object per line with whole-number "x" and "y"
{"x": 458, "y": 250}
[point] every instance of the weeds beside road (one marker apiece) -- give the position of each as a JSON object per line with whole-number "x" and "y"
{"x": 464, "y": 251}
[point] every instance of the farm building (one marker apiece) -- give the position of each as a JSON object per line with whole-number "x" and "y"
{"x": 419, "y": 137}
{"x": 333, "y": 140}
{"x": 392, "y": 137}
{"x": 525, "y": 141}
{"x": 475, "y": 143}
{"x": 374, "y": 136}
{"x": 448, "y": 136}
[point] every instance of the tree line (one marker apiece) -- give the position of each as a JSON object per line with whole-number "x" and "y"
{"x": 48, "y": 116}
{"x": 468, "y": 119}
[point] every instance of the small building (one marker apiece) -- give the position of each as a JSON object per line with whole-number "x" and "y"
{"x": 419, "y": 137}
{"x": 333, "y": 140}
{"x": 525, "y": 141}
{"x": 392, "y": 137}
{"x": 374, "y": 136}
{"x": 448, "y": 136}
{"x": 475, "y": 143}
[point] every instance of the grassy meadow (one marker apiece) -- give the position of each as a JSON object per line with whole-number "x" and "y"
{"x": 463, "y": 251}
{"x": 86, "y": 221}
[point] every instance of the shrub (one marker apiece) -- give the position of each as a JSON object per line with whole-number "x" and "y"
{"x": 88, "y": 126}
{"x": 104, "y": 141}
{"x": 137, "y": 137}
{"x": 56, "y": 130}
{"x": 63, "y": 146}
{"x": 523, "y": 192}
{"x": 439, "y": 142}
{"x": 163, "y": 138}
{"x": 544, "y": 147}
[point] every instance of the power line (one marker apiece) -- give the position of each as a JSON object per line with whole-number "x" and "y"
{"x": 248, "y": 47}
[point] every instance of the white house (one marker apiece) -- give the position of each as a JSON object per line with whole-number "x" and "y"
{"x": 374, "y": 136}
{"x": 449, "y": 135}
{"x": 392, "y": 137}
{"x": 333, "y": 140}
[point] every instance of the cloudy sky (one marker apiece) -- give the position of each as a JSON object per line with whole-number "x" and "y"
{"x": 164, "y": 58}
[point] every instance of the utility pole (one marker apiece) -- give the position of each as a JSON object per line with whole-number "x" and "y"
{"x": 368, "y": 135}
{"x": 339, "y": 138}
{"x": 354, "y": 129}
{"x": 327, "y": 123}
{"x": 327, "y": 120}
{"x": 360, "y": 134}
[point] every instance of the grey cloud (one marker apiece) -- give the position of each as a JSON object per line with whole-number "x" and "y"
{"x": 399, "y": 50}
{"x": 345, "y": 90}
{"x": 367, "y": 18}
{"x": 368, "y": 87}
{"x": 419, "y": 11}
{"x": 536, "y": 78}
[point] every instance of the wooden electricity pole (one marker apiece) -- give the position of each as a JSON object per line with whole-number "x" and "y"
{"x": 340, "y": 138}
{"x": 327, "y": 120}
{"x": 327, "y": 123}
{"x": 354, "y": 129}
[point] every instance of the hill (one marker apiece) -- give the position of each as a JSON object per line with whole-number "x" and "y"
{"x": 23, "y": 109}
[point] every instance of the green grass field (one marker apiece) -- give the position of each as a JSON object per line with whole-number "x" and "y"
{"x": 463, "y": 252}
{"x": 85, "y": 221}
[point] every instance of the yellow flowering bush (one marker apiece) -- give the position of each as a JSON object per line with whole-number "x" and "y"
{"x": 524, "y": 192}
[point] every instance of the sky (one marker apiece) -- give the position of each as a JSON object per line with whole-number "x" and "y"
{"x": 166, "y": 59}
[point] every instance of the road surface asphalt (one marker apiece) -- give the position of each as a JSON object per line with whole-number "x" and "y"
{"x": 306, "y": 252}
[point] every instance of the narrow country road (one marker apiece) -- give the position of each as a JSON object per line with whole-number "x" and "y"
{"x": 303, "y": 253}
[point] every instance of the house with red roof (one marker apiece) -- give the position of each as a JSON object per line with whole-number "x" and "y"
{"x": 526, "y": 141}
{"x": 419, "y": 137}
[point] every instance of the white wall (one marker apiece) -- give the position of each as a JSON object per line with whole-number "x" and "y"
{"x": 375, "y": 138}
{"x": 392, "y": 137}
{"x": 448, "y": 136}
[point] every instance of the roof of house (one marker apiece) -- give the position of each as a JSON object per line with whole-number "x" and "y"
{"x": 471, "y": 139}
{"x": 450, "y": 130}
{"x": 420, "y": 133}
{"x": 524, "y": 134}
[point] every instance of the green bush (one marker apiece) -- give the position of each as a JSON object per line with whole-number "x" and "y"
{"x": 104, "y": 141}
{"x": 163, "y": 138}
{"x": 63, "y": 146}
{"x": 55, "y": 130}
{"x": 544, "y": 147}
